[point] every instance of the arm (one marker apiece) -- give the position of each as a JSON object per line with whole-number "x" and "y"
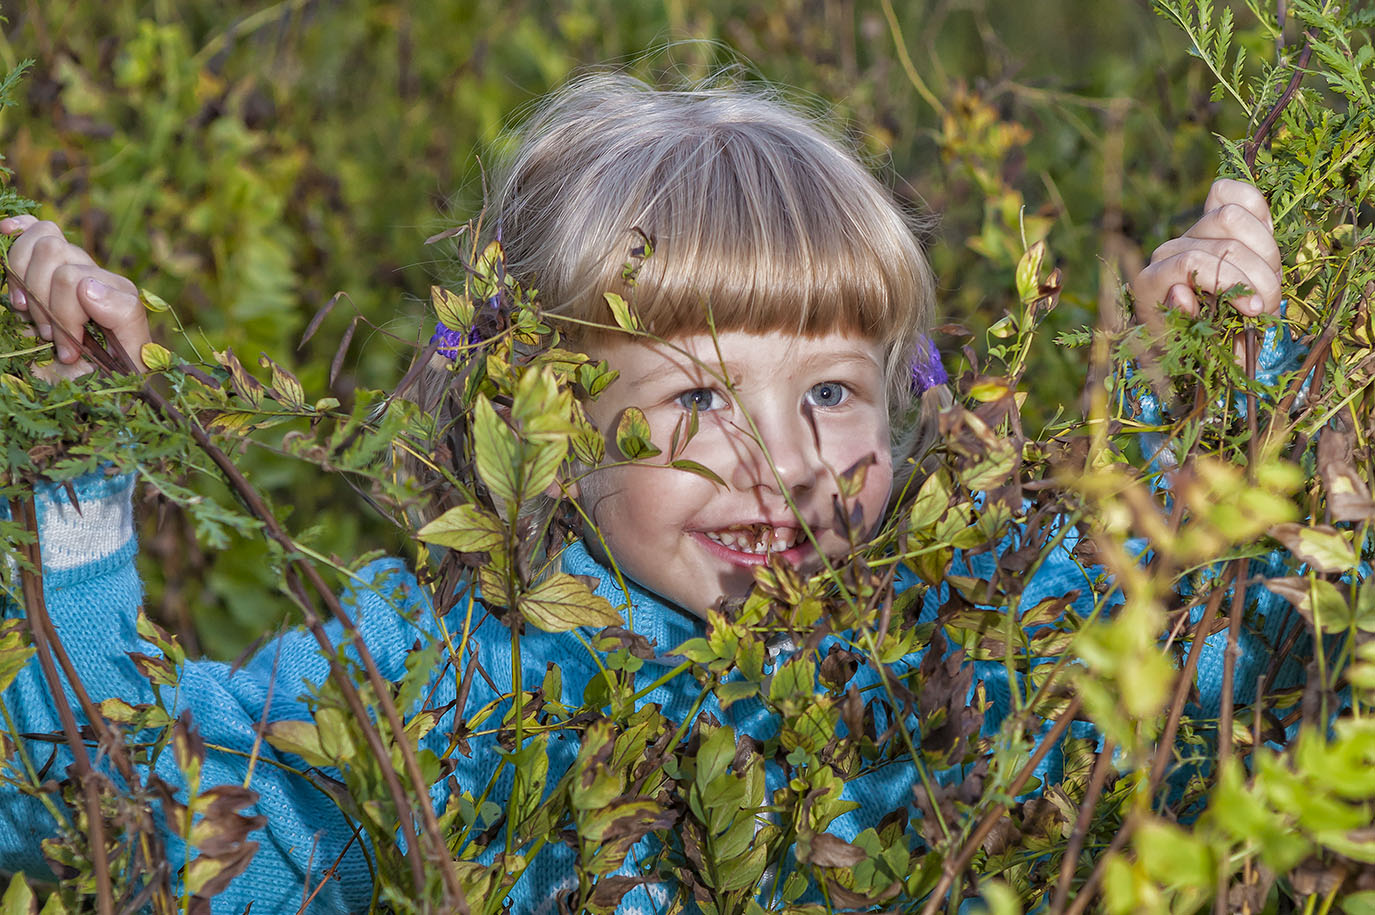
{"x": 93, "y": 596}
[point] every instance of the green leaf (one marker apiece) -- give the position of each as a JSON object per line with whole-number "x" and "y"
{"x": 498, "y": 453}
{"x": 632, "y": 435}
{"x": 699, "y": 469}
{"x": 467, "y": 528}
{"x": 714, "y": 755}
{"x": 1318, "y": 601}
{"x": 1029, "y": 272}
{"x": 563, "y": 602}
{"x": 18, "y": 898}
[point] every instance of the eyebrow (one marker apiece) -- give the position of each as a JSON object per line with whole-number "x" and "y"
{"x": 734, "y": 368}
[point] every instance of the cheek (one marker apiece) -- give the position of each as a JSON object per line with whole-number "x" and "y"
{"x": 867, "y": 436}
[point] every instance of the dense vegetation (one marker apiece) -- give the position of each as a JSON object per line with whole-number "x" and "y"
{"x": 215, "y": 162}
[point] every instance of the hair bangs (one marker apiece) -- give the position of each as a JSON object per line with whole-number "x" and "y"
{"x": 708, "y": 204}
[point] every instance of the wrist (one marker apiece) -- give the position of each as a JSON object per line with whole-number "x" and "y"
{"x": 86, "y": 524}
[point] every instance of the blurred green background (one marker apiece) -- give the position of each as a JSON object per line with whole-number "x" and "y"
{"x": 247, "y": 161}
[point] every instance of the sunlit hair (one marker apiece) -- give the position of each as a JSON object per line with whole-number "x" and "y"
{"x": 755, "y": 214}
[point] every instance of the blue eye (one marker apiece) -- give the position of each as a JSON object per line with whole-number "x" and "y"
{"x": 827, "y": 394}
{"x": 699, "y": 399}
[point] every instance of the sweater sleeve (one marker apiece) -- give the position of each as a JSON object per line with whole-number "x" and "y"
{"x": 93, "y": 595}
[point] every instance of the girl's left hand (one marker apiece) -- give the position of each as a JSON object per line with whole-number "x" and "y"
{"x": 1233, "y": 243}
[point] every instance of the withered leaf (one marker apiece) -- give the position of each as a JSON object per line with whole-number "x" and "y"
{"x": 832, "y": 851}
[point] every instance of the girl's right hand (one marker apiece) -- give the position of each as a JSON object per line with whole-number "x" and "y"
{"x": 58, "y": 287}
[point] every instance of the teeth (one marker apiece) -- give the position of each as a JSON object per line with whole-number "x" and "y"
{"x": 757, "y": 538}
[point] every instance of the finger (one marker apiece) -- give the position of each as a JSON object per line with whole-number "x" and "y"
{"x": 13, "y": 225}
{"x": 42, "y": 251}
{"x": 21, "y": 252}
{"x": 67, "y": 312}
{"x": 1181, "y": 298}
{"x": 1211, "y": 266}
{"x": 112, "y": 301}
{"x": 54, "y": 267}
{"x": 1228, "y": 190}
{"x": 1234, "y": 221}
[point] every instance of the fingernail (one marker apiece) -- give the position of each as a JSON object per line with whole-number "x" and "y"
{"x": 64, "y": 353}
{"x": 45, "y": 331}
{"x": 18, "y": 298}
{"x": 96, "y": 289}
{"x": 1254, "y": 305}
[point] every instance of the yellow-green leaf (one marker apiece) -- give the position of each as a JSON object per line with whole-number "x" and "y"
{"x": 699, "y": 469}
{"x": 988, "y": 391}
{"x": 19, "y": 899}
{"x": 562, "y": 602}
{"x": 625, "y": 319}
{"x": 467, "y": 528}
{"x": 201, "y": 871}
{"x": 454, "y": 311}
{"x": 153, "y": 302}
{"x": 301, "y": 738}
{"x": 1317, "y": 601}
{"x": 1324, "y": 548}
{"x": 1029, "y": 272}
{"x": 1004, "y": 328}
{"x": 15, "y": 652}
{"x": 288, "y": 389}
{"x": 156, "y": 357}
{"x": 932, "y": 500}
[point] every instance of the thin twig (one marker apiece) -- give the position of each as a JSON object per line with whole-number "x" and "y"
{"x": 1263, "y": 131}
{"x": 1101, "y": 767}
{"x": 44, "y": 635}
{"x": 1186, "y": 678}
{"x": 971, "y": 845}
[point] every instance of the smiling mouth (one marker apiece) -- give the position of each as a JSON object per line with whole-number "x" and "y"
{"x": 757, "y": 539}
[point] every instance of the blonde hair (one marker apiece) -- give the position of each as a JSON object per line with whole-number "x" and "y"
{"x": 752, "y": 211}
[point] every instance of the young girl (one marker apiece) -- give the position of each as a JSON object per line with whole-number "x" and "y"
{"x": 818, "y": 293}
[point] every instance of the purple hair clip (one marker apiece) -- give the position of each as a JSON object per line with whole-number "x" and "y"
{"x": 927, "y": 369}
{"x": 449, "y": 342}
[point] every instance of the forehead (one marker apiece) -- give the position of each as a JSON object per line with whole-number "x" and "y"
{"x": 746, "y": 357}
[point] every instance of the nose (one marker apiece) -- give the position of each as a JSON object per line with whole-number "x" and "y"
{"x": 786, "y": 455}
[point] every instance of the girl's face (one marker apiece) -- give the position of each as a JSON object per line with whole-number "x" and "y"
{"x": 819, "y": 405}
